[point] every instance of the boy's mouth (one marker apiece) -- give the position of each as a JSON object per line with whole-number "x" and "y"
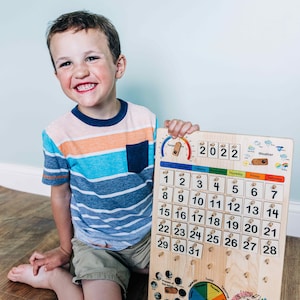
{"x": 85, "y": 87}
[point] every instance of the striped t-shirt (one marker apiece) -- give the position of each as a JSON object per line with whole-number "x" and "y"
{"x": 109, "y": 166}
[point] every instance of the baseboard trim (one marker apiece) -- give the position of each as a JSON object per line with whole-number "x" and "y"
{"x": 293, "y": 219}
{"x": 23, "y": 178}
{"x": 28, "y": 179}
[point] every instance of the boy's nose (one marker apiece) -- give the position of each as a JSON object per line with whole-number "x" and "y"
{"x": 81, "y": 71}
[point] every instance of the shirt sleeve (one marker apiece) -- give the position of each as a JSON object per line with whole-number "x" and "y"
{"x": 56, "y": 169}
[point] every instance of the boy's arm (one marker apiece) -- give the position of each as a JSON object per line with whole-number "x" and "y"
{"x": 178, "y": 128}
{"x": 60, "y": 202}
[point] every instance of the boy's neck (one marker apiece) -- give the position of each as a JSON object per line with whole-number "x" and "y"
{"x": 102, "y": 112}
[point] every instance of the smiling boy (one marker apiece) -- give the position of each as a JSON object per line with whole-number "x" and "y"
{"x": 99, "y": 161}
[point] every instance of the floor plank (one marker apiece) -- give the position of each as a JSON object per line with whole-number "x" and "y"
{"x": 26, "y": 225}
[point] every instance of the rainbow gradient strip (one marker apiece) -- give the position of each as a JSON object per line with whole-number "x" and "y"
{"x": 226, "y": 172}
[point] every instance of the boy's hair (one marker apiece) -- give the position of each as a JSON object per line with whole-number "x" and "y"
{"x": 84, "y": 20}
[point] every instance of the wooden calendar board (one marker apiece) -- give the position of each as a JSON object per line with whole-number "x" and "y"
{"x": 219, "y": 216}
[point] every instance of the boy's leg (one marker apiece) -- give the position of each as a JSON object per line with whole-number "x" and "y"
{"x": 100, "y": 272}
{"x": 106, "y": 288}
{"x": 59, "y": 280}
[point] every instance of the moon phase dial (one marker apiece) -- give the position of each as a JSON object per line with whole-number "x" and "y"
{"x": 177, "y": 148}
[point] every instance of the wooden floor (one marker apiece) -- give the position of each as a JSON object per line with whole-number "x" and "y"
{"x": 26, "y": 225}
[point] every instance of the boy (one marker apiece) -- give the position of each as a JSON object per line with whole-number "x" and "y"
{"x": 99, "y": 161}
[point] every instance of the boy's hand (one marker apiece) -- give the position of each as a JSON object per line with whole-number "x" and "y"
{"x": 178, "y": 128}
{"x": 49, "y": 260}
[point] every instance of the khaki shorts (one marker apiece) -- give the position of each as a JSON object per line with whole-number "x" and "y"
{"x": 98, "y": 264}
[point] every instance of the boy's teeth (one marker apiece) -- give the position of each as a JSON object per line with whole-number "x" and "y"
{"x": 85, "y": 87}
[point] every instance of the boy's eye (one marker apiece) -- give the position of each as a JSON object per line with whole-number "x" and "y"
{"x": 65, "y": 64}
{"x": 92, "y": 58}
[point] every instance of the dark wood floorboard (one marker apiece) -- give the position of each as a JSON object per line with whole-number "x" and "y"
{"x": 26, "y": 225}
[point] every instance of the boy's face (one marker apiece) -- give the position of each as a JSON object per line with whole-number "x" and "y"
{"x": 85, "y": 68}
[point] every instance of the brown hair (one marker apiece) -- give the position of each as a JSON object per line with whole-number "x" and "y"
{"x": 84, "y": 20}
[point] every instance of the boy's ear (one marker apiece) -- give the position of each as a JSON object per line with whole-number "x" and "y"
{"x": 121, "y": 66}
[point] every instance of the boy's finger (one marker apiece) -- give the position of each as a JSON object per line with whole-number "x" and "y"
{"x": 35, "y": 256}
{"x": 35, "y": 269}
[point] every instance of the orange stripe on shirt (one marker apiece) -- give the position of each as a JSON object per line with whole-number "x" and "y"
{"x": 105, "y": 143}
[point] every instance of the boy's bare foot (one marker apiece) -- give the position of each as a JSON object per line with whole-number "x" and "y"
{"x": 24, "y": 274}
{"x": 59, "y": 280}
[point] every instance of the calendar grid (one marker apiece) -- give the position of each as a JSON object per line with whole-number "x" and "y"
{"x": 214, "y": 210}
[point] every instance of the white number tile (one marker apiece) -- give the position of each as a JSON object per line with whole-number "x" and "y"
{"x": 251, "y": 226}
{"x": 250, "y": 243}
{"x": 197, "y": 199}
{"x": 232, "y": 223}
{"x": 178, "y": 245}
{"x": 164, "y": 210}
{"x": 214, "y": 219}
{"x": 231, "y": 240}
{"x": 166, "y": 177}
{"x": 235, "y": 151}
{"x": 163, "y": 242}
{"x": 179, "y": 230}
{"x": 196, "y": 233}
{"x": 199, "y": 181}
{"x": 215, "y": 201}
{"x": 196, "y": 216}
{"x": 182, "y": 179}
{"x": 224, "y": 151}
{"x": 202, "y": 149}
{"x": 213, "y": 236}
{"x": 270, "y": 247}
{"x": 272, "y": 211}
{"x": 216, "y": 184}
{"x": 254, "y": 190}
{"x": 180, "y": 213}
{"x": 270, "y": 230}
{"x": 234, "y": 205}
{"x": 181, "y": 196}
{"x": 235, "y": 187}
{"x": 252, "y": 208}
{"x": 165, "y": 193}
{"x": 274, "y": 192}
{"x": 164, "y": 226}
{"x": 195, "y": 249}
{"x": 213, "y": 150}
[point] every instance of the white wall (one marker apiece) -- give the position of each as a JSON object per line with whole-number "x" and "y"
{"x": 231, "y": 66}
